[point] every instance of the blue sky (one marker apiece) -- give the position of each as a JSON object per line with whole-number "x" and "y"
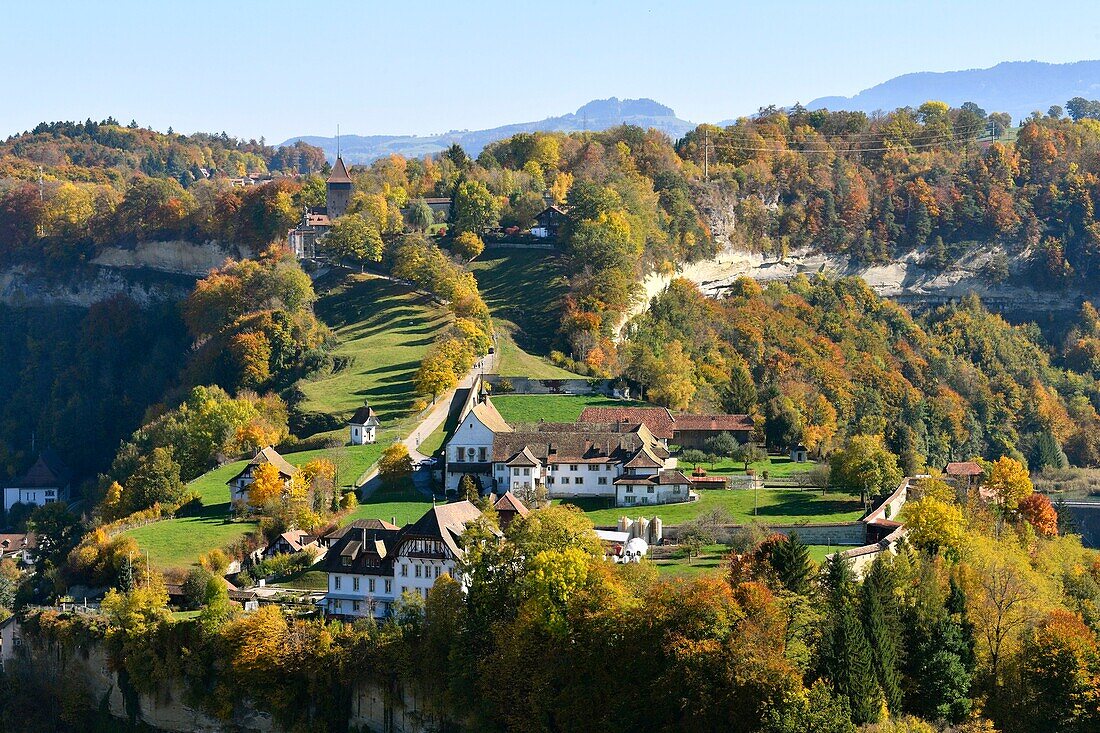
{"x": 279, "y": 69}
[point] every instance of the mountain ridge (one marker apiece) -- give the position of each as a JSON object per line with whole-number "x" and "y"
{"x": 598, "y": 114}
{"x": 1015, "y": 87}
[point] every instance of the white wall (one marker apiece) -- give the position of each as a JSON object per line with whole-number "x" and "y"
{"x": 341, "y": 600}
{"x": 32, "y": 496}
{"x": 470, "y": 434}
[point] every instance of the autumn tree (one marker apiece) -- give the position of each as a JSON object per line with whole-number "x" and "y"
{"x": 395, "y": 463}
{"x": 1008, "y": 482}
{"x": 1040, "y": 514}
{"x": 267, "y": 486}
{"x": 674, "y": 385}
{"x": 468, "y": 245}
{"x": 473, "y": 208}
{"x": 353, "y": 237}
{"x": 866, "y": 466}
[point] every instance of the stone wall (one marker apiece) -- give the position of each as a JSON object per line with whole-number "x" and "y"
{"x": 527, "y": 385}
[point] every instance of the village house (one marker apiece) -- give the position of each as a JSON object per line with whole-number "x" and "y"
{"x": 238, "y": 485}
{"x": 291, "y": 541}
{"x": 45, "y": 482}
{"x": 964, "y": 476}
{"x": 371, "y": 563}
{"x": 549, "y": 222}
{"x": 18, "y": 547}
{"x": 509, "y": 507}
{"x": 316, "y": 221}
{"x": 363, "y": 426}
{"x": 470, "y": 449}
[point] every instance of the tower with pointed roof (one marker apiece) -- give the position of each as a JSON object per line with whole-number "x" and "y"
{"x": 338, "y": 190}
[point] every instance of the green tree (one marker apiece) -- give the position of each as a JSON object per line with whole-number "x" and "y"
{"x": 739, "y": 396}
{"x": 817, "y": 710}
{"x": 882, "y": 625}
{"x": 468, "y": 488}
{"x": 865, "y": 465}
{"x": 57, "y": 532}
{"x": 845, "y": 656}
{"x": 791, "y": 561}
{"x": 474, "y": 208}
{"x": 749, "y": 453}
{"x": 782, "y": 422}
{"x": 353, "y": 237}
{"x": 420, "y": 215}
{"x": 723, "y": 445}
{"x": 157, "y": 479}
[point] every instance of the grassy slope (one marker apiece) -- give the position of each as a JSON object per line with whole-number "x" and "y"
{"x": 776, "y": 466}
{"x": 552, "y": 408}
{"x": 384, "y": 330}
{"x": 523, "y": 289}
{"x": 712, "y": 559}
{"x": 776, "y": 506}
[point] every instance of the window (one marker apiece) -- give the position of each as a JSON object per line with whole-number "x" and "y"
{"x": 565, "y": 479}
{"x": 389, "y": 586}
{"x": 526, "y": 472}
{"x": 418, "y": 571}
{"x": 649, "y": 490}
{"x": 602, "y": 480}
{"x": 370, "y": 585}
{"x": 336, "y": 582}
{"x": 593, "y": 467}
{"x": 339, "y": 606}
{"x": 675, "y": 489}
{"x": 515, "y": 472}
{"x": 579, "y": 480}
{"x": 404, "y": 570}
{"x": 481, "y": 454}
{"x": 630, "y": 489}
{"x": 549, "y": 480}
{"x": 437, "y": 571}
{"x": 629, "y": 499}
{"x": 572, "y": 466}
{"x": 470, "y": 453}
{"x": 355, "y": 606}
{"x": 355, "y": 583}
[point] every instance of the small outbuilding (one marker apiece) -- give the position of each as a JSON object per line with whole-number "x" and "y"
{"x": 800, "y": 454}
{"x": 363, "y": 426}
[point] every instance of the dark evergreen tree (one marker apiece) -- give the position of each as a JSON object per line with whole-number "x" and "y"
{"x": 791, "y": 561}
{"x": 881, "y": 624}
{"x": 845, "y": 656}
{"x": 739, "y": 397}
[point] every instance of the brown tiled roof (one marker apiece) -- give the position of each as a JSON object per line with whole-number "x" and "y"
{"x": 578, "y": 446}
{"x": 15, "y": 542}
{"x": 508, "y": 502}
{"x": 523, "y": 458}
{"x": 339, "y": 173}
{"x": 270, "y": 455}
{"x": 672, "y": 476}
{"x": 643, "y": 459}
{"x": 47, "y": 472}
{"x": 490, "y": 418}
{"x": 964, "y": 468}
{"x": 363, "y": 416}
{"x": 658, "y": 419}
{"x": 445, "y": 522}
{"x": 716, "y": 423}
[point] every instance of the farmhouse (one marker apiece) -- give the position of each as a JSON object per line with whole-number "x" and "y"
{"x": 692, "y": 431}
{"x": 658, "y": 420}
{"x": 291, "y": 541}
{"x": 238, "y": 485}
{"x": 470, "y": 448}
{"x": 371, "y": 563}
{"x": 45, "y": 482}
{"x": 549, "y": 222}
{"x": 363, "y": 426}
{"x": 18, "y": 547}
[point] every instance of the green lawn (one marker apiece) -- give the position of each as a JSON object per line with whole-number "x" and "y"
{"x": 776, "y": 506}
{"x": 553, "y": 408}
{"x": 177, "y": 543}
{"x": 776, "y": 466}
{"x": 523, "y": 289}
{"x": 398, "y": 505}
{"x": 434, "y": 442}
{"x": 712, "y": 558}
{"x": 305, "y": 580}
{"x": 384, "y": 330}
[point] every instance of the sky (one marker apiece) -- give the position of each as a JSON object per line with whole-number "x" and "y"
{"x": 280, "y": 69}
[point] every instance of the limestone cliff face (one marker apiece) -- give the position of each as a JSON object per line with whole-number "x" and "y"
{"x": 146, "y": 272}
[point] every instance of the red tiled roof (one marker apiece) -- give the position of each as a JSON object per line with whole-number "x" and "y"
{"x": 339, "y": 173}
{"x": 510, "y": 503}
{"x": 716, "y": 423}
{"x": 658, "y": 419}
{"x": 964, "y": 468}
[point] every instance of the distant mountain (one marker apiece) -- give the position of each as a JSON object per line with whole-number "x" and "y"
{"x": 1016, "y": 87}
{"x": 596, "y": 115}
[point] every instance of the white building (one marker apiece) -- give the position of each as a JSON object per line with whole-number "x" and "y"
{"x": 371, "y": 563}
{"x": 363, "y": 426}
{"x": 619, "y": 461}
{"x": 45, "y": 482}
{"x": 238, "y": 485}
{"x": 470, "y": 449}
{"x": 10, "y": 641}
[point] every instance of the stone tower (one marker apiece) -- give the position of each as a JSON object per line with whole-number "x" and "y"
{"x": 338, "y": 190}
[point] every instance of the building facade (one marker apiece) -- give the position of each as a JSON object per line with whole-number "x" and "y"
{"x": 44, "y": 482}
{"x": 238, "y": 485}
{"x": 470, "y": 449}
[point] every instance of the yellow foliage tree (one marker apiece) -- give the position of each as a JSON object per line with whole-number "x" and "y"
{"x": 1009, "y": 482}
{"x": 675, "y": 385}
{"x": 935, "y": 524}
{"x": 266, "y": 487}
{"x": 395, "y": 462}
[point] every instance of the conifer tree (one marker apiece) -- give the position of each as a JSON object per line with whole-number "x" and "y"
{"x": 878, "y": 607}
{"x": 740, "y": 396}
{"x": 791, "y": 561}
{"x": 845, "y": 656}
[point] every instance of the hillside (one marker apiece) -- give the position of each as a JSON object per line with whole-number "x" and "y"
{"x": 598, "y": 114}
{"x": 1015, "y": 87}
